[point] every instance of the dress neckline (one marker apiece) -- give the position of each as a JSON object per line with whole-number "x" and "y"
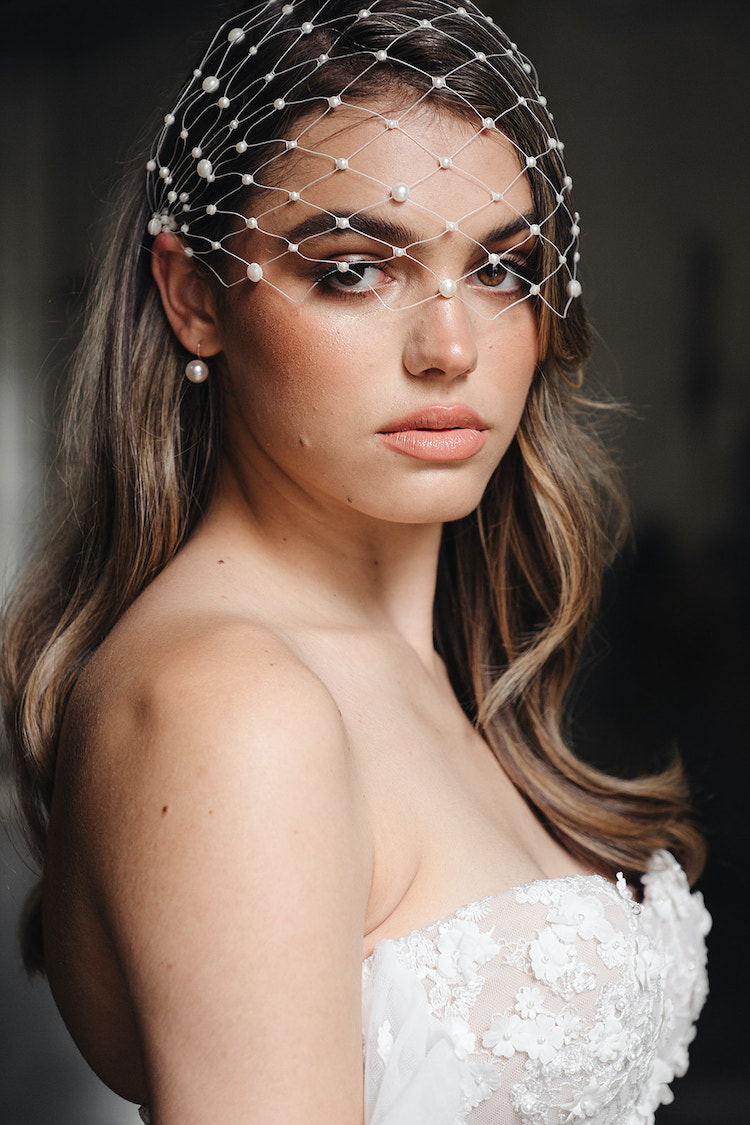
{"x": 618, "y": 886}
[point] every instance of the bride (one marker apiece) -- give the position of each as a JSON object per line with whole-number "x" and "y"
{"x": 288, "y": 685}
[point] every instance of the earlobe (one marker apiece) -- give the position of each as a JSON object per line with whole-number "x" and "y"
{"x": 186, "y": 296}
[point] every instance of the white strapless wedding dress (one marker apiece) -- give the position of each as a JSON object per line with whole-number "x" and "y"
{"x": 553, "y": 1003}
{"x": 558, "y": 1002}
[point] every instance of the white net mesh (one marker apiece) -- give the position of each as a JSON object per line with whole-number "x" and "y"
{"x": 303, "y": 152}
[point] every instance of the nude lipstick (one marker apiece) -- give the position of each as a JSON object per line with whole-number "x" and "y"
{"x": 437, "y": 433}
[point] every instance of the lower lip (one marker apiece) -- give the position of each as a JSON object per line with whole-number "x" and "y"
{"x": 436, "y": 445}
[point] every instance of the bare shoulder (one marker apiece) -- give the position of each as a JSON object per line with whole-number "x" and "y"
{"x": 211, "y": 689}
{"x": 156, "y": 651}
{"x": 223, "y": 840}
{"x": 206, "y": 716}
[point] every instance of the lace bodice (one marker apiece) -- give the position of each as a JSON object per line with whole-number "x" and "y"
{"x": 556, "y": 1002}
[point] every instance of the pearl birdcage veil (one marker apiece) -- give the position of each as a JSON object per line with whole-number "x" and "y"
{"x": 291, "y": 95}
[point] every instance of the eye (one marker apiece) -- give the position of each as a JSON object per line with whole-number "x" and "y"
{"x": 354, "y": 277}
{"x": 502, "y": 274}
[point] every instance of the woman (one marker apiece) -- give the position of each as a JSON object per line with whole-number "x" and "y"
{"x": 290, "y": 685}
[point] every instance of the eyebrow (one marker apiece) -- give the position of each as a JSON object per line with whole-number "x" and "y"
{"x": 521, "y": 225}
{"x": 387, "y": 231}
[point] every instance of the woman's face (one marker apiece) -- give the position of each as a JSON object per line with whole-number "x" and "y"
{"x": 349, "y": 382}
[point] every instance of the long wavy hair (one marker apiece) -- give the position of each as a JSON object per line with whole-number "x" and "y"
{"x": 518, "y": 580}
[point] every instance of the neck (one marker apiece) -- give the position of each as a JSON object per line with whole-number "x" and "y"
{"x": 335, "y": 566}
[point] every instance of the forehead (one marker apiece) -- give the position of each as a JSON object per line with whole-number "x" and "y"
{"x": 437, "y": 163}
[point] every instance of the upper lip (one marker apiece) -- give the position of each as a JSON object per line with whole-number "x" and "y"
{"x": 437, "y": 417}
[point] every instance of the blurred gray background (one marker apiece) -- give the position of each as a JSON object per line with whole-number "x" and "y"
{"x": 651, "y": 99}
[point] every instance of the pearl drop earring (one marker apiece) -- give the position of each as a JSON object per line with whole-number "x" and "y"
{"x": 196, "y": 370}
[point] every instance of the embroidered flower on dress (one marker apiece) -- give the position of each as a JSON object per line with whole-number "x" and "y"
{"x": 461, "y": 1036}
{"x": 529, "y": 1002}
{"x": 534, "y": 892}
{"x": 463, "y": 949}
{"x": 540, "y": 1038}
{"x": 524, "y": 1101}
{"x": 421, "y": 952}
{"x": 583, "y": 978}
{"x": 608, "y": 1039}
{"x": 571, "y": 1024}
{"x": 615, "y": 951}
{"x": 476, "y": 911}
{"x": 586, "y": 1103}
{"x": 479, "y": 1084}
{"x": 504, "y": 1036}
{"x": 550, "y": 958}
{"x": 582, "y": 915}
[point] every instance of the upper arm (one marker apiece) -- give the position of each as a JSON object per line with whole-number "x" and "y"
{"x": 232, "y": 865}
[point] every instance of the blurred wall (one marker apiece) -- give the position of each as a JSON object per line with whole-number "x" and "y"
{"x": 650, "y": 99}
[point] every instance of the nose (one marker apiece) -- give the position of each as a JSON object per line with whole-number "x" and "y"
{"x": 441, "y": 343}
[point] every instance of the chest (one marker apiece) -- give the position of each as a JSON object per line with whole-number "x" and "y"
{"x": 448, "y": 826}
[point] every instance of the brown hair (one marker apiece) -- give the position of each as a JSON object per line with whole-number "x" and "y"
{"x": 518, "y": 580}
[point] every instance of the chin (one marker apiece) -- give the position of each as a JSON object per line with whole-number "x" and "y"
{"x": 437, "y": 505}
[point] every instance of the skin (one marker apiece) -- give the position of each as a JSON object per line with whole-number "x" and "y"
{"x": 264, "y": 770}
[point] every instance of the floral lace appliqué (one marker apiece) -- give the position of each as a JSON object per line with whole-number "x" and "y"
{"x": 558, "y": 1002}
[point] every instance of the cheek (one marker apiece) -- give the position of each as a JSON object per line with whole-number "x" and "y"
{"x": 292, "y": 375}
{"x": 333, "y": 362}
{"x": 271, "y": 358}
{"x": 514, "y": 354}
{"x": 525, "y": 337}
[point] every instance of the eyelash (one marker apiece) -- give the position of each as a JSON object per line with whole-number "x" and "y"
{"x": 332, "y": 272}
{"x": 524, "y": 271}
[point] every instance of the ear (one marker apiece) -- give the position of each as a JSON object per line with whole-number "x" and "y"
{"x": 186, "y": 296}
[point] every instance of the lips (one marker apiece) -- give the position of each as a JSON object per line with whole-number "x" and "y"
{"x": 437, "y": 433}
{"x": 437, "y": 417}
